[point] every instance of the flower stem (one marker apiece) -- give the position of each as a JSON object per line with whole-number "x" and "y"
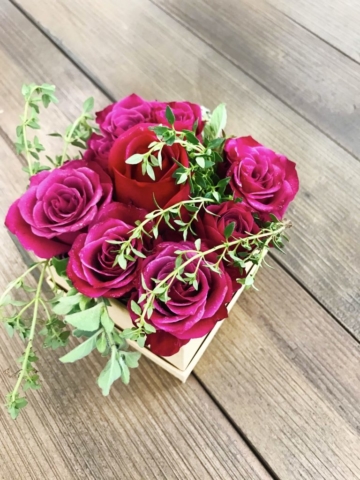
{"x": 199, "y": 255}
{"x": 24, "y": 125}
{"x": 28, "y": 349}
{"x": 15, "y": 282}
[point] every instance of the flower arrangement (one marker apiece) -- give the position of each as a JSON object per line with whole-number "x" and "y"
{"x": 159, "y": 209}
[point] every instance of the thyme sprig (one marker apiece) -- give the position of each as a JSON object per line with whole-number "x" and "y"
{"x": 34, "y": 95}
{"x": 150, "y": 227}
{"x": 253, "y": 249}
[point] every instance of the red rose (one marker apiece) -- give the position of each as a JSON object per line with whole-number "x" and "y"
{"x": 216, "y": 218}
{"x": 131, "y": 186}
{"x": 267, "y": 181}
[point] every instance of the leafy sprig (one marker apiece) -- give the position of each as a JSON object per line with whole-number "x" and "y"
{"x": 34, "y": 95}
{"x": 76, "y": 134}
{"x": 203, "y": 157}
{"x": 237, "y": 252}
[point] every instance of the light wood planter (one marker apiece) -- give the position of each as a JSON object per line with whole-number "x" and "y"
{"x": 182, "y": 363}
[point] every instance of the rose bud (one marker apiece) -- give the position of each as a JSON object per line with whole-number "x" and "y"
{"x": 266, "y": 181}
{"x": 122, "y": 115}
{"x": 58, "y": 206}
{"x": 131, "y": 186}
{"x": 185, "y": 113}
{"x": 91, "y": 265}
{"x": 192, "y": 310}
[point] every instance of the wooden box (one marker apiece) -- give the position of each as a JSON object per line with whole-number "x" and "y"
{"x": 182, "y": 363}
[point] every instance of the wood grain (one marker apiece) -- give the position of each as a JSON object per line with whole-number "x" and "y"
{"x": 166, "y": 61}
{"x": 296, "y": 66}
{"x": 290, "y": 376}
{"x": 336, "y": 22}
{"x": 156, "y": 428}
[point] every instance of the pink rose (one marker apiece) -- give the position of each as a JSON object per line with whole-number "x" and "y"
{"x": 91, "y": 266}
{"x": 98, "y": 150}
{"x": 190, "y": 312}
{"x": 122, "y": 115}
{"x": 266, "y": 181}
{"x": 58, "y": 206}
{"x": 186, "y": 114}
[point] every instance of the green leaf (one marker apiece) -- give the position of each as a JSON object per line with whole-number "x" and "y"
{"x": 82, "y": 333}
{"x": 66, "y": 304}
{"x": 132, "y": 359}
{"x": 170, "y": 117}
{"x": 88, "y": 105}
{"x": 81, "y": 350}
{"x": 150, "y": 171}
{"x": 60, "y": 265}
{"x": 191, "y": 138}
{"x": 110, "y": 374}
{"x": 135, "y": 307}
{"x": 134, "y": 159}
{"x": 229, "y": 230}
{"x": 198, "y": 243}
{"x": 106, "y": 322}
{"x": 216, "y": 143}
{"x": 125, "y": 372}
{"x": 200, "y": 161}
{"x": 88, "y": 320}
{"x": 218, "y": 120}
{"x": 25, "y": 90}
{"x": 101, "y": 343}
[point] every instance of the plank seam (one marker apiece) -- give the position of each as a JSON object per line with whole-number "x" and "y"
{"x": 256, "y": 80}
{"x": 334, "y": 47}
{"x": 240, "y": 432}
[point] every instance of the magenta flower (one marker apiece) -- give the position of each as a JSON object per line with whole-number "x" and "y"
{"x": 186, "y": 114}
{"x": 98, "y": 150}
{"x": 265, "y": 180}
{"x": 91, "y": 266}
{"x": 59, "y": 205}
{"x": 118, "y": 117}
{"x": 190, "y": 312}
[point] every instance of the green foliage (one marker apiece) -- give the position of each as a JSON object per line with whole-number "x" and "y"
{"x": 81, "y": 350}
{"x": 34, "y": 96}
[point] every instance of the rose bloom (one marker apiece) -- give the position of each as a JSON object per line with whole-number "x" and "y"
{"x": 131, "y": 186}
{"x": 266, "y": 181}
{"x": 185, "y": 113}
{"x": 189, "y": 313}
{"x": 215, "y": 218}
{"x": 91, "y": 264}
{"x": 212, "y": 223}
{"x": 57, "y": 206}
{"x": 122, "y": 115}
{"x": 98, "y": 150}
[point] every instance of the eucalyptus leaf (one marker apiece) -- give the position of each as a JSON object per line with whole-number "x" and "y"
{"x": 110, "y": 374}
{"x": 81, "y": 350}
{"x": 88, "y": 320}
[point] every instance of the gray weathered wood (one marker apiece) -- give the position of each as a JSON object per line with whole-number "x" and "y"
{"x": 296, "y": 66}
{"x": 166, "y": 61}
{"x": 290, "y": 376}
{"x": 336, "y": 22}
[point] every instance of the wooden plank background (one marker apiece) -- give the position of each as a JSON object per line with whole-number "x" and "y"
{"x": 277, "y": 393}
